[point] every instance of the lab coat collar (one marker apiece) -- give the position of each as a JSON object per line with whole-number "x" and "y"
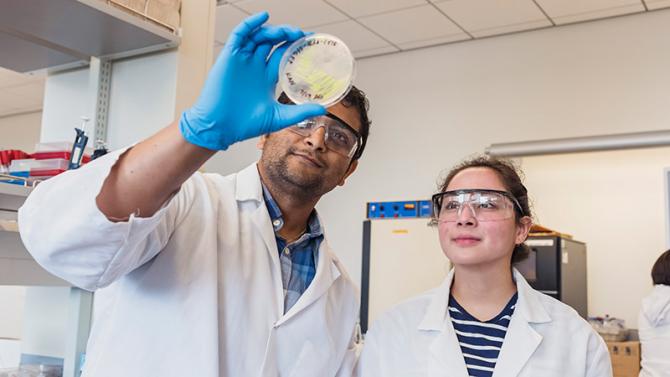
{"x": 248, "y": 185}
{"x": 528, "y": 305}
{"x": 520, "y": 342}
{"x": 437, "y": 316}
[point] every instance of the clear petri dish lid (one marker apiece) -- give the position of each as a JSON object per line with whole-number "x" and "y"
{"x": 317, "y": 68}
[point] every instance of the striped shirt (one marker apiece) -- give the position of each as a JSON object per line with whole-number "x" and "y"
{"x": 480, "y": 341}
{"x": 298, "y": 259}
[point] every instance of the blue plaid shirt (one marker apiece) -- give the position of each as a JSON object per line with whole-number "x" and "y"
{"x": 298, "y": 259}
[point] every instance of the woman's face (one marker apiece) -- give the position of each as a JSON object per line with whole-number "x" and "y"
{"x": 468, "y": 241}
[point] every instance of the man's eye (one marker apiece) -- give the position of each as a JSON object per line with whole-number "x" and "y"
{"x": 340, "y": 137}
{"x": 307, "y": 124}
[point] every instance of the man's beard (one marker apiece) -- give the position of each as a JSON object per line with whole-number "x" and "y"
{"x": 294, "y": 183}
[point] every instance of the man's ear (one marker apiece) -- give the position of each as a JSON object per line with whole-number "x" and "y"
{"x": 352, "y": 168}
{"x": 261, "y": 142}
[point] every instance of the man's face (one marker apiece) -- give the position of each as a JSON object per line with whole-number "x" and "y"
{"x": 304, "y": 165}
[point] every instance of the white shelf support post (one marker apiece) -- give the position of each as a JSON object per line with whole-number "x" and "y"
{"x": 79, "y": 326}
{"x": 100, "y": 78}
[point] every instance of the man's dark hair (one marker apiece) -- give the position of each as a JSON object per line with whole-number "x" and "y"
{"x": 355, "y": 98}
{"x": 660, "y": 273}
{"x": 511, "y": 178}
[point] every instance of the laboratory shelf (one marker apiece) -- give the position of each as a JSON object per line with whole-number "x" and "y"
{"x": 62, "y": 34}
{"x": 17, "y": 267}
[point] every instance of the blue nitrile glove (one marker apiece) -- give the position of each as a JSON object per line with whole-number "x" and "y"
{"x": 237, "y": 101}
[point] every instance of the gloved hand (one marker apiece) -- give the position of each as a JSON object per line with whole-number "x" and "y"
{"x": 237, "y": 101}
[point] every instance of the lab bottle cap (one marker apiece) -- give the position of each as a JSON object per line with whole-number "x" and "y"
{"x": 317, "y": 68}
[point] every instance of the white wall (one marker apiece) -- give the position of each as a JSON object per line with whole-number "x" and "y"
{"x": 45, "y": 321}
{"x": 66, "y": 100}
{"x": 11, "y": 315}
{"x": 614, "y": 202}
{"x": 432, "y": 107}
{"x": 141, "y": 100}
{"x": 20, "y": 131}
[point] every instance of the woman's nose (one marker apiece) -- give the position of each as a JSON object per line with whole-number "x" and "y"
{"x": 466, "y": 215}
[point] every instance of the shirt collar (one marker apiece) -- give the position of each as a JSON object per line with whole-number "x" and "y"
{"x": 313, "y": 224}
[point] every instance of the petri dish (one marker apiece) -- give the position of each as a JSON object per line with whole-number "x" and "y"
{"x": 317, "y": 68}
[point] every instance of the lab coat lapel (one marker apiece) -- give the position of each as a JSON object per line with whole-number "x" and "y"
{"x": 446, "y": 358}
{"x": 521, "y": 339}
{"x": 327, "y": 271}
{"x": 248, "y": 187}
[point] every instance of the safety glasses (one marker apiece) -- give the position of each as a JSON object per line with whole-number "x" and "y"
{"x": 485, "y": 205}
{"x": 340, "y": 137}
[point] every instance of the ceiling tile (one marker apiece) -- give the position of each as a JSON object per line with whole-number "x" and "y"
{"x": 25, "y": 104}
{"x": 11, "y": 78}
{"x": 533, "y": 25}
{"x": 414, "y": 24}
{"x": 375, "y": 51}
{"x": 5, "y": 109}
{"x": 6, "y": 98}
{"x": 489, "y": 17}
{"x": 22, "y": 97}
{"x": 565, "y": 12}
{"x": 32, "y": 90}
{"x": 302, "y": 13}
{"x": 358, "y": 8}
{"x": 13, "y": 104}
{"x": 354, "y": 35}
{"x": 227, "y": 17}
{"x": 434, "y": 41}
{"x": 657, "y": 4}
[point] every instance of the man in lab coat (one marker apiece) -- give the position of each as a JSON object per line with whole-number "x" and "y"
{"x": 205, "y": 275}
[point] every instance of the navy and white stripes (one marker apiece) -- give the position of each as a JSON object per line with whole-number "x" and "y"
{"x": 480, "y": 341}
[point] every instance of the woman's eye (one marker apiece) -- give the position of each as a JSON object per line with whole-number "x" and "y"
{"x": 487, "y": 205}
{"x": 452, "y": 205}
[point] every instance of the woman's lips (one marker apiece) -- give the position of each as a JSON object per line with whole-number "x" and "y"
{"x": 466, "y": 241}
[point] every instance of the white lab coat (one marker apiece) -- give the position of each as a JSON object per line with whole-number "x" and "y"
{"x": 545, "y": 338}
{"x": 654, "y": 330}
{"x": 194, "y": 290}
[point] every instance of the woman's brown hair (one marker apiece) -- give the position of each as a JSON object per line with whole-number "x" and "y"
{"x": 660, "y": 273}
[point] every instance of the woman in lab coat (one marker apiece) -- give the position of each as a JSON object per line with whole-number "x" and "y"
{"x": 654, "y": 322}
{"x": 484, "y": 320}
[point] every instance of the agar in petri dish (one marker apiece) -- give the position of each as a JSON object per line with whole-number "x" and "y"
{"x": 317, "y": 68}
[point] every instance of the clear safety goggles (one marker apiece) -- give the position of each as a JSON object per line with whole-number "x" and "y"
{"x": 340, "y": 137}
{"x": 484, "y": 205}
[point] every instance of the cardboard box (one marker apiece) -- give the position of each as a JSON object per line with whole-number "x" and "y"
{"x": 625, "y": 358}
{"x": 138, "y": 6}
{"x": 166, "y": 12}
{"x": 163, "y": 12}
